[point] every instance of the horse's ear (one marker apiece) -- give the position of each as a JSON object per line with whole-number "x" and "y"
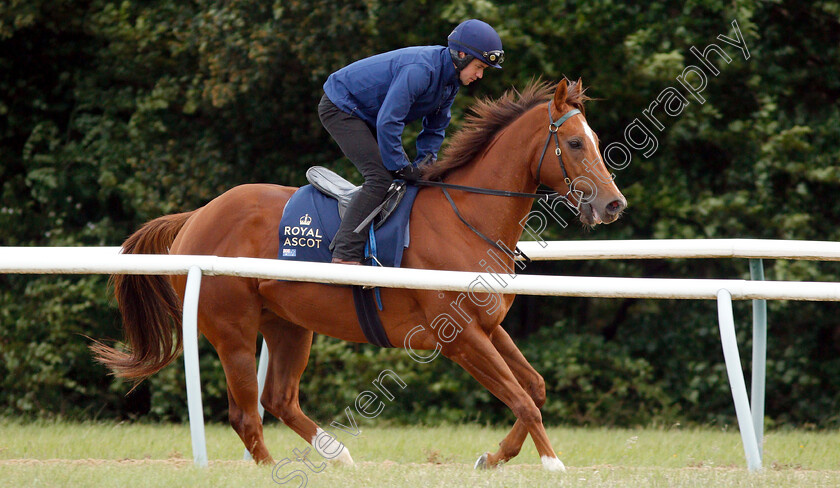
{"x": 560, "y": 93}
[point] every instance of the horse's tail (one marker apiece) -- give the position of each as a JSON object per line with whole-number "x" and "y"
{"x": 150, "y": 308}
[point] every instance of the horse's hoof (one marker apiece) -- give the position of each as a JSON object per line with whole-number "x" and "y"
{"x": 482, "y": 462}
{"x": 553, "y": 464}
{"x": 344, "y": 458}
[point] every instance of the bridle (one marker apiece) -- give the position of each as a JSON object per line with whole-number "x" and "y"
{"x": 553, "y": 127}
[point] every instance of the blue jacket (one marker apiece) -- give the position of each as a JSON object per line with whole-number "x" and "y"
{"x": 390, "y": 89}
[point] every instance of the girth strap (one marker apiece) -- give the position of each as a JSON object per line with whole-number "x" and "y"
{"x": 369, "y": 317}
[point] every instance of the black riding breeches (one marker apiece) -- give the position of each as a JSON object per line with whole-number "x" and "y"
{"x": 358, "y": 142}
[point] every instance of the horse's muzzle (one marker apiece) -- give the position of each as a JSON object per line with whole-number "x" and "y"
{"x": 594, "y": 213}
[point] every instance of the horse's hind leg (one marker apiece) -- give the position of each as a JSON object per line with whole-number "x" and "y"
{"x": 288, "y": 352}
{"x": 249, "y": 431}
{"x": 240, "y": 371}
{"x": 531, "y": 381}
{"x": 229, "y": 317}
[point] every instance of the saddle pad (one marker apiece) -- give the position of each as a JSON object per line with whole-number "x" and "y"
{"x": 310, "y": 221}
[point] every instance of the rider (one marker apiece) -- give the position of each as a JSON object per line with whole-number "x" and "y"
{"x": 367, "y": 104}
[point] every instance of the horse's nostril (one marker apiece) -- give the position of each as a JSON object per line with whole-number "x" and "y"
{"x": 615, "y": 207}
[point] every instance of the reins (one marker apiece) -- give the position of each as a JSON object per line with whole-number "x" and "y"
{"x": 553, "y": 127}
{"x": 516, "y": 251}
{"x": 543, "y": 195}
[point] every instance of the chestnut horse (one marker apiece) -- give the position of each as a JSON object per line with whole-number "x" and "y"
{"x": 502, "y": 146}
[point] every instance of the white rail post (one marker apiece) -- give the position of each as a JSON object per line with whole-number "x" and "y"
{"x": 261, "y": 372}
{"x": 191, "y": 369}
{"x": 729, "y": 342}
{"x": 759, "y": 352}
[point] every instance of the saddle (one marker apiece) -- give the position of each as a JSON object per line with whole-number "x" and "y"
{"x": 366, "y": 301}
{"x": 331, "y": 184}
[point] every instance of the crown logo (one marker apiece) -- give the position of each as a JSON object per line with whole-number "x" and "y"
{"x": 305, "y": 220}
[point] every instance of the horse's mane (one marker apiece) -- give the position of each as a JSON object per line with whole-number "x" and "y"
{"x": 490, "y": 116}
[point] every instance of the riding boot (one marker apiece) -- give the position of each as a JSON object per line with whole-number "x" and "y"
{"x": 349, "y": 247}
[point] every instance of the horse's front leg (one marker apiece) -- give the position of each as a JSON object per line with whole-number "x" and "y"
{"x": 475, "y": 352}
{"x": 531, "y": 381}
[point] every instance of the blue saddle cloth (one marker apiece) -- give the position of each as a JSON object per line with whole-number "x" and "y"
{"x": 310, "y": 222}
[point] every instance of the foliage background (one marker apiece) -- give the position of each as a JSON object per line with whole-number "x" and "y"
{"x": 115, "y": 112}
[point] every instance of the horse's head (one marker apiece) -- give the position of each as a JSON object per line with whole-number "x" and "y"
{"x": 571, "y": 163}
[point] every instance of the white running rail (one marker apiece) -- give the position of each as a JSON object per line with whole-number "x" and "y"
{"x": 107, "y": 260}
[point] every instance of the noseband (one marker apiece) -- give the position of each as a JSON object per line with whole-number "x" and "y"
{"x": 553, "y": 127}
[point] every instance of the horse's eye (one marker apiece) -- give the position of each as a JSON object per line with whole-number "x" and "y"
{"x": 575, "y": 144}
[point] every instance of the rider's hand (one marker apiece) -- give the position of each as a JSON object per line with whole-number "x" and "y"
{"x": 409, "y": 173}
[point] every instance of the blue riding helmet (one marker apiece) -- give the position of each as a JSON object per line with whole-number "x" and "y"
{"x": 478, "y": 41}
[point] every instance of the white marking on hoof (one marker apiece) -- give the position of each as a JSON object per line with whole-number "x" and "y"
{"x": 553, "y": 464}
{"x": 344, "y": 457}
{"x": 329, "y": 447}
{"x": 481, "y": 463}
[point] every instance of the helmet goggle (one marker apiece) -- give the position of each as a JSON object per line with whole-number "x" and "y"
{"x": 495, "y": 57}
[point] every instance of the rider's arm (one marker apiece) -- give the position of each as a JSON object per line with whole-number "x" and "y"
{"x": 407, "y": 85}
{"x": 434, "y": 128}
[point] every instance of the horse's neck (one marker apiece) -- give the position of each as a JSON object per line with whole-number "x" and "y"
{"x": 504, "y": 165}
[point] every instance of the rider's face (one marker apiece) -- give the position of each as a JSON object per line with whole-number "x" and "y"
{"x": 473, "y": 71}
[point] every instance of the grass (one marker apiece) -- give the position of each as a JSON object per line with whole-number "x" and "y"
{"x": 141, "y": 455}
